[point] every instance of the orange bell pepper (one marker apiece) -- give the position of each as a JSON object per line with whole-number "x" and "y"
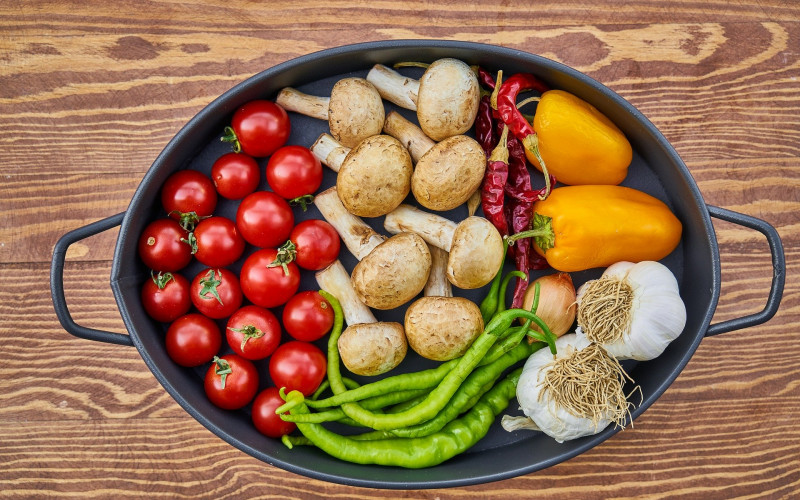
{"x": 583, "y": 227}
{"x": 578, "y": 143}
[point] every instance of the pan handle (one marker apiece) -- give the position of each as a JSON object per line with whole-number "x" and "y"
{"x": 57, "y": 282}
{"x": 778, "y": 271}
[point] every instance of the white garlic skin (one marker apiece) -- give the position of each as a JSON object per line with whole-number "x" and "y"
{"x": 658, "y": 313}
{"x": 554, "y": 421}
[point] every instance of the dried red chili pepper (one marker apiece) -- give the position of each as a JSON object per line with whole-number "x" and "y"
{"x": 484, "y": 126}
{"x": 494, "y": 183}
{"x": 520, "y": 197}
{"x": 519, "y": 210}
{"x": 517, "y": 124}
{"x": 486, "y": 79}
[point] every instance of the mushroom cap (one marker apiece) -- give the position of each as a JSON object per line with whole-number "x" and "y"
{"x": 394, "y": 272}
{"x": 447, "y": 175}
{"x": 476, "y": 253}
{"x": 372, "y": 348}
{"x": 442, "y": 328}
{"x": 448, "y": 99}
{"x": 375, "y": 176}
{"x": 355, "y": 111}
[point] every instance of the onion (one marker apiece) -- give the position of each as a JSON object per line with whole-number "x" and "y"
{"x": 557, "y": 304}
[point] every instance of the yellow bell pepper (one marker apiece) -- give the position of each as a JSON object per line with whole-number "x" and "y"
{"x": 583, "y": 227}
{"x": 578, "y": 143}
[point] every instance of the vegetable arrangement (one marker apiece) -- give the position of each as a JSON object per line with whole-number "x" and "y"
{"x": 571, "y": 384}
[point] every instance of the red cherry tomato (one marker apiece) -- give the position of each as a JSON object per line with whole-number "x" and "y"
{"x": 165, "y": 297}
{"x": 231, "y": 382}
{"x": 264, "y": 417}
{"x": 193, "y": 340}
{"x": 316, "y": 243}
{"x": 216, "y": 293}
{"x": 163, "y": 246}
{"x": 188, "y": 191}
{"x": 267, "y": 286}
{"x": 235, "y": 175}
{"x": 294, "y": 171}
{"x": 307, "y": 316}
{"x": 253, "y": 332}
{"x": 299, "y": 366}
{"x": 218, "y": 242}
{"x": 258, "y": 128}
{"x": 264, "y": 219}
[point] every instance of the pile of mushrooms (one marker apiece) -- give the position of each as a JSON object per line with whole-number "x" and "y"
{"x": 379, "y": 160}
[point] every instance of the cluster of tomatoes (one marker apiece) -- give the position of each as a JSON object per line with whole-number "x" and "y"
{"x": 269, "y": 276}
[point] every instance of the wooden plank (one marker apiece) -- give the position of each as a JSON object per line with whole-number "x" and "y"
{"x": 716, "y": 90}
{"x": 91, "y": 92}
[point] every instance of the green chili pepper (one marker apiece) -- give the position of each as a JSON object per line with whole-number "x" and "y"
{"x": 479, "y": 381}
{"x": 456, "y": 437}
{"x": 438, "y": 397}
{"x": 424, "y": 379}
{"x": 489, "y": 304}
{"x": 374, "y": 403}
{"x": 501, "y": 296}
{"x": 325, "y": 385}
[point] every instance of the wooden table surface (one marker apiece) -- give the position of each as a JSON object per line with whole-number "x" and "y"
{"x": 92, "y": 91}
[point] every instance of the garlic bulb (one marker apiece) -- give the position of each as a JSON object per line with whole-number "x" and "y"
{"x": 632, "y": 310}
{"x": 574, "y": 394}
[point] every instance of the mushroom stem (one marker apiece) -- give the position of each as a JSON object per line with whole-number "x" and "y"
{"x": 329, "y": 151}
{"x": 434, "y": 229}
{"x": 438, "y": 285}
{"x": 356, "y": 234}
{"x": 294, "y": 100}
{"x": 335, "y": 280}
{"x": 412, "y": 137}
{"x": 474, "y": 202}
{"x": 394, "y": 87}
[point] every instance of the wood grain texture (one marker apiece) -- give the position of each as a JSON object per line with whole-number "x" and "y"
{"x": 91, "y": 92}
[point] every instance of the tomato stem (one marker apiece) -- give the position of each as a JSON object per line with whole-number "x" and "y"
{"x": 223, "y": 369}
{"x": 230, "y": 136}
{"x": 210, "y": 285}
{"x": 249, "y": 332}
{"x": 191, "y": 241}
{"x": 187, "y": 220}
{"x": 304, "y": 201}
{"x": 286, "y": 254}
{"x": 161, "y": 279}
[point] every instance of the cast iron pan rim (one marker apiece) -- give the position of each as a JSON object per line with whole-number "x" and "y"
{"x": 225, "y": 104}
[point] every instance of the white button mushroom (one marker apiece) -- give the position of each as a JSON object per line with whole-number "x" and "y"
{"x": 367, "y": 346}
{"x": 391, "y": 272}
{"x": 373, "y": 178}
{"x": 446, "y": 173}
{"x": 475, "y": 245}
{"x": 354, "y": 110}
{"x": 445, "y": 98}
{"x": 442, "y": 328}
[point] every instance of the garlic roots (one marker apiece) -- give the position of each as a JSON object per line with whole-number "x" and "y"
{"x": 574, "y": 394}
